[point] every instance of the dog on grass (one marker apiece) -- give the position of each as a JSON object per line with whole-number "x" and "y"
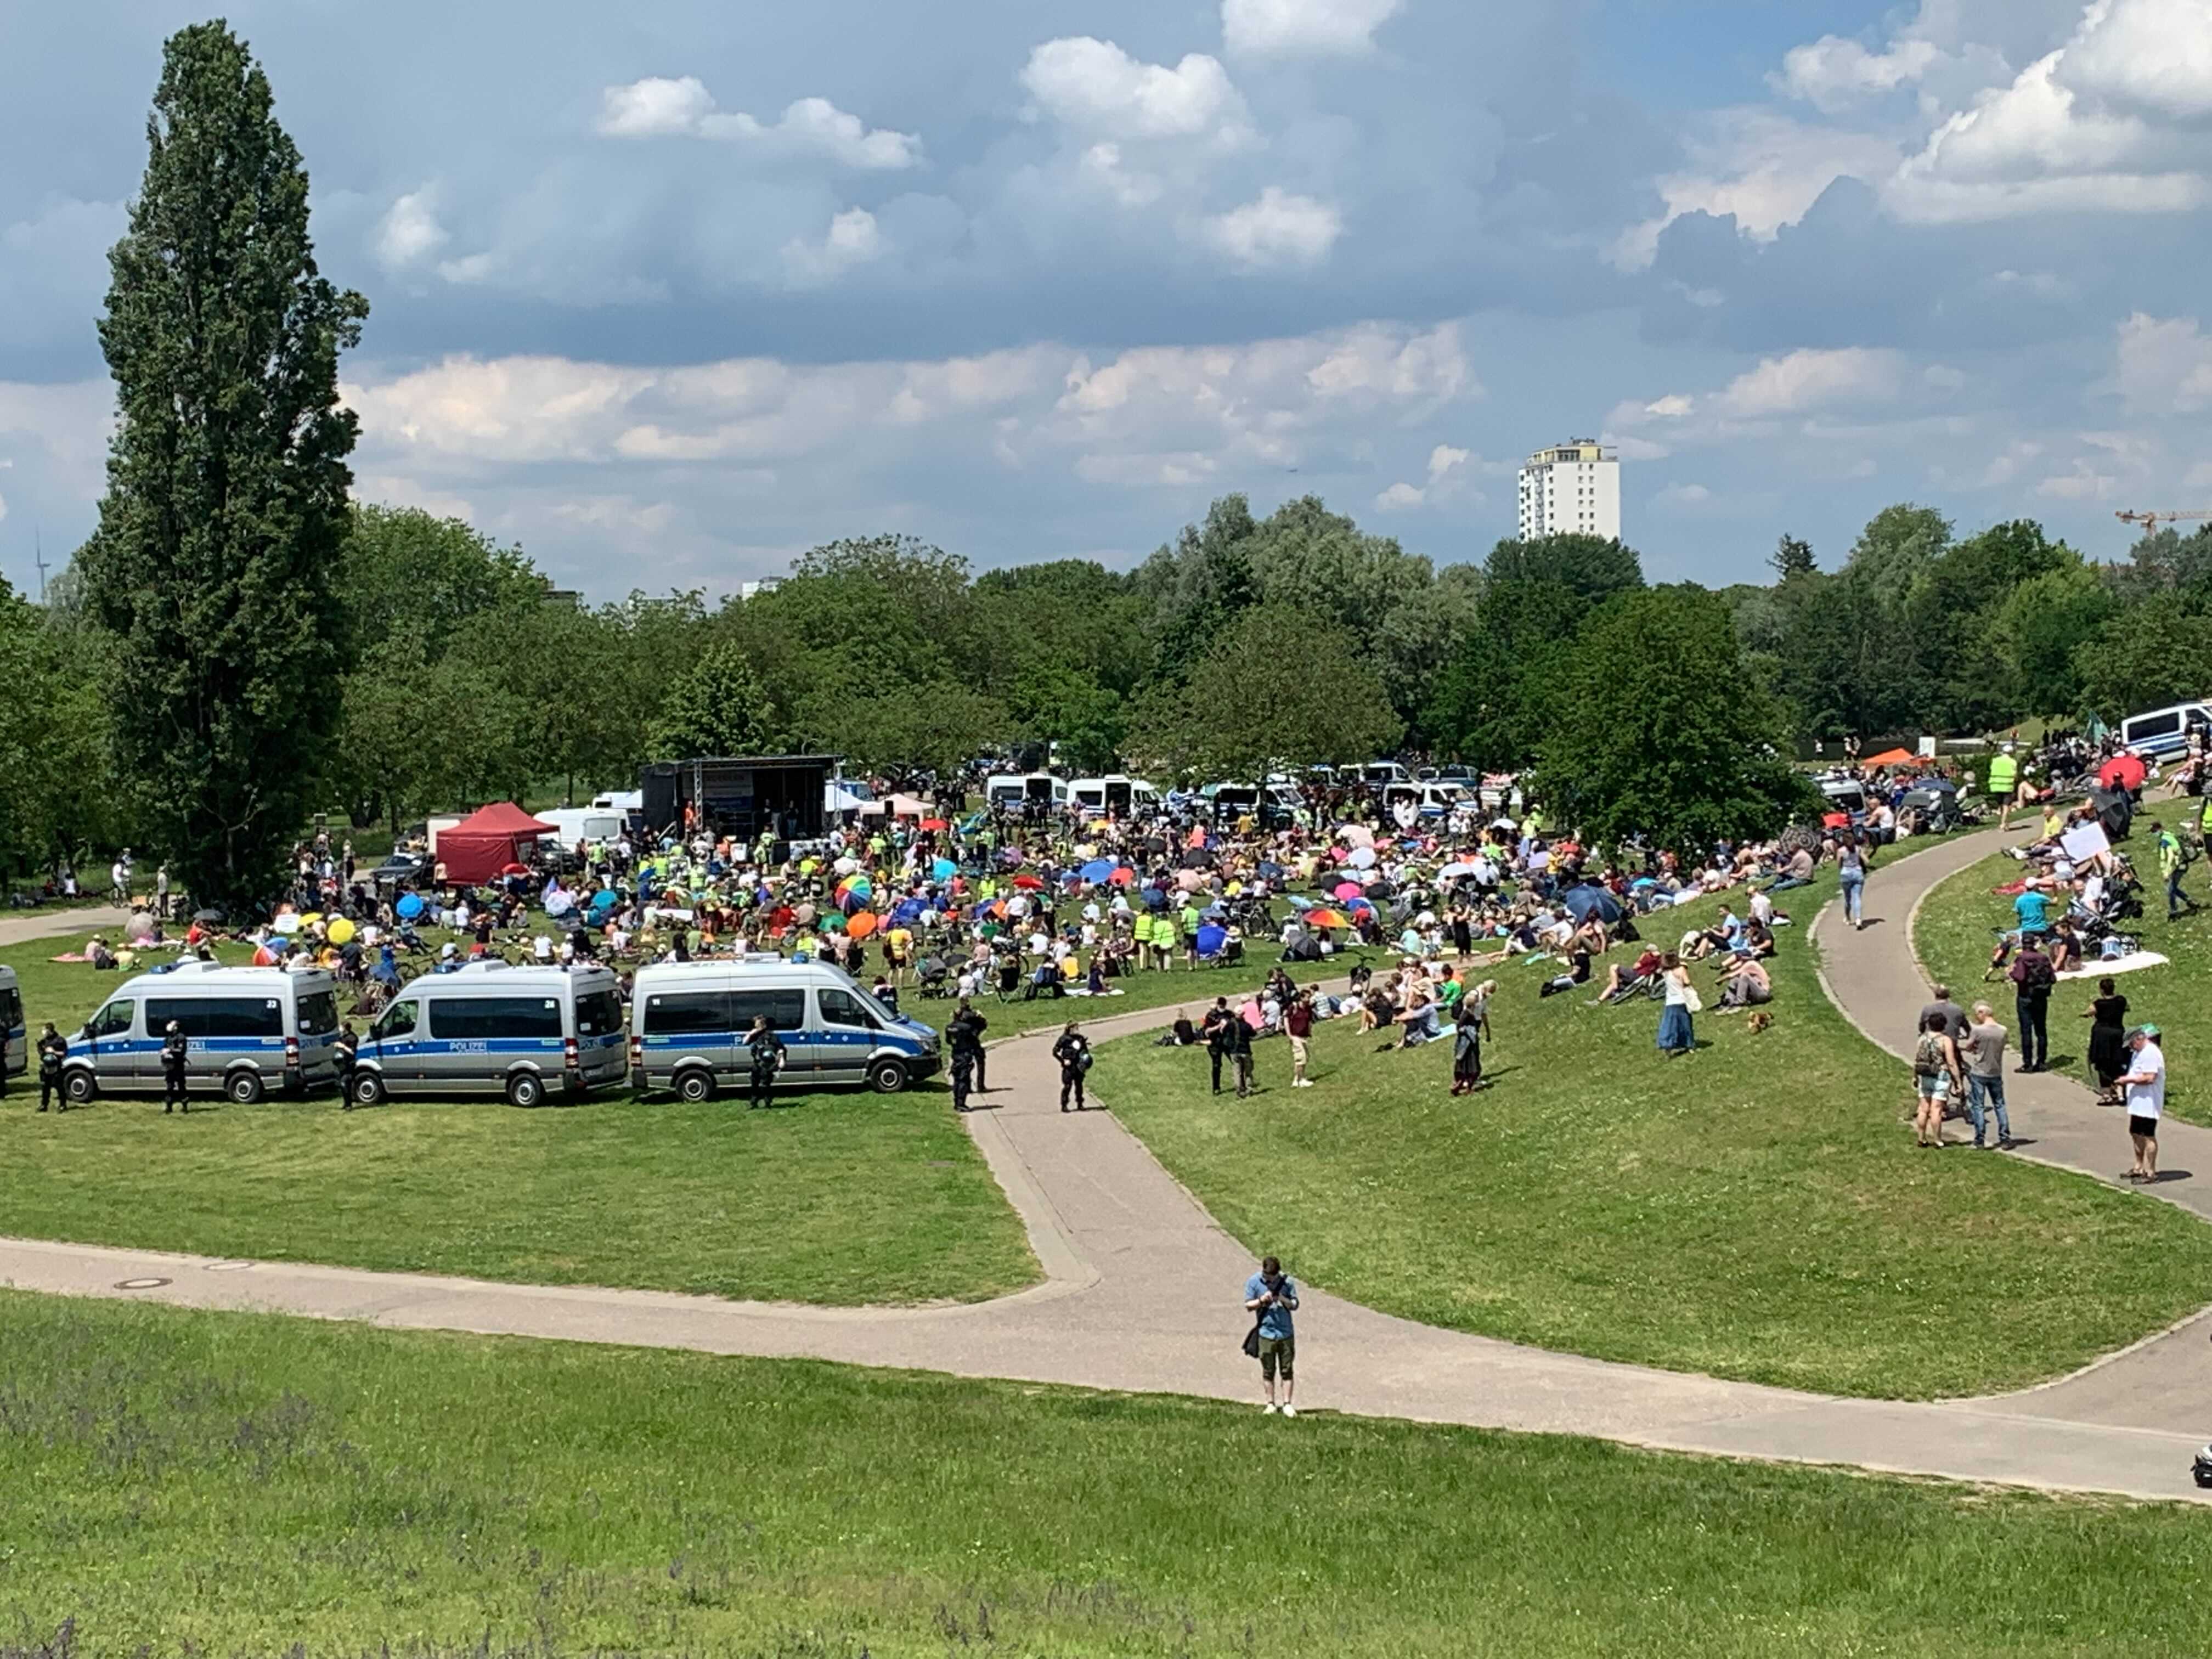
{"x": 1761, "y": 1019}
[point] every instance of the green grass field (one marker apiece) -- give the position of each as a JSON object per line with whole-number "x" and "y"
{"x": 1955, "y": 932}
{"x": 174, "y": 1482}
{"x": 835, "y": 1197}
{"x": 1757, "y": 1210}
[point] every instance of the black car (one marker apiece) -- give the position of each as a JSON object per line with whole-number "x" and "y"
{"x": 402, "y": 870}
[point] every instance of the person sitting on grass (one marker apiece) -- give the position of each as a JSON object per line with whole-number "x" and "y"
{"x": 1748, "y": 986}
{"x": 1623, "y": 980}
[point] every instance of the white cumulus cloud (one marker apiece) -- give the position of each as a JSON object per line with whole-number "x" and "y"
{"x": 1810, "y": 380}
{"x": 656, "y": 107}
{"x": 1316, "y": 27}
{"x": 854, "y": 238}
{"x": 1279, "y": 228}
{"x": 2164, "y": 365}
{"x": 1833, "y": 73}
{"x": 1097, "y": 89}
{"x": 409, "y": 232}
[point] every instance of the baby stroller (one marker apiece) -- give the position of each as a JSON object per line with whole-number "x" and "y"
{"x": 935, "y": 979}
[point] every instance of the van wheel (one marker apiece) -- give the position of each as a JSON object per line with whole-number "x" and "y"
{"x": 244, "y": 1088}
{"x": 887, "y": 1077}
{"x": 695, "y": 1085}
{"x": 367, "y": 1088}
{"x": 524, "y": 1089}
{"x": 80, "y": 1088}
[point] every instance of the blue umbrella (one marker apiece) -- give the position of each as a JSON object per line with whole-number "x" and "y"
{"x": 1298, "y": 903}
{"x": 1584, "y": 901}
{"x": 945, "y": 869}
{"x": 409, "y": 906}
{"x": 1097, "y": 871}
{"x": 909, "y": 910}
{"x": 1211, "y": 938}
{"x": 602, "y": 901}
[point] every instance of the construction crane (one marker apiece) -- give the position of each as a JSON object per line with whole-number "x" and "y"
{"x": 2150, "y": 521}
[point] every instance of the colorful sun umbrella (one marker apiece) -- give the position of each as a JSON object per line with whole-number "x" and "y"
{"x": 409, "y": 906}
{"x": 2122, "y": 772}
{"x": 1097, "y": 871}
{"x": 833, "y": 923}
{"x": 1322, "y": 917}
{"x": 1345, "y": 890}
{"x": 341, "y": 932}
{"x": 934, "y": 823}
{"x": 862, "y": 925}
{"x": 1029, "y": 881}
{"x": 943, "y": 869}
{"x": 1211, "y": 938}
{"x": 1123, "y": 877}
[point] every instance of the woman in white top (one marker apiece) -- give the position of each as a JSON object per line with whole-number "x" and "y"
{"x": 1676, "y": 1036}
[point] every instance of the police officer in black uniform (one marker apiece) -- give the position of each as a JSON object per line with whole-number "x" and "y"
{"x": 52, "y": 1047}
{"x": 965, "y": 1030}
{"x": 175, "y": 1052}
{"x": 349, "y": 1050}
{"x": 768, "y": 1052}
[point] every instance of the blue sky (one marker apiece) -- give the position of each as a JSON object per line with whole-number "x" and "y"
{"x": 668, "y": 293}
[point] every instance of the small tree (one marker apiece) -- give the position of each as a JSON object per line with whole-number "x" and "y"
{"x": 1792, "y": 557}
{"x": 225, "y": 504}
{"x": 1662, "y": 733}
{"x": 716, "y": 707}
{"x": 1278, "y": 686}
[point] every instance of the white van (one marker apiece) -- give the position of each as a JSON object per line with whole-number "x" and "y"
{"x": 2163, "y": 733}
{"x": 689, "y": 1021}
{"x": 15, "y": 1028}
{"x": 490, "y": 1029}
{"x": 1114, "y": 795}
{"x": 1430, "y": 800}
{"x": 1378, "y": 774}
{"x": 583, "y": 823}
{"x": 250, "y": 1030}
{"x": 1017, "y": 792}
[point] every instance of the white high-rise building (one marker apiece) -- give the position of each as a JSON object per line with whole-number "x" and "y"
{"x": 1572, "y": 489}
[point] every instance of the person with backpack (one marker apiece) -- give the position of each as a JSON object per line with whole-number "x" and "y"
{"x": 2173, "y": 864}
{"x": 1271, "y": 1297}
{"x": 1237, "y": 1044}
{"x": 1073, "y": 1051}
{"x": 1937, "y": 1077}
{"x": 2033, "y": 978}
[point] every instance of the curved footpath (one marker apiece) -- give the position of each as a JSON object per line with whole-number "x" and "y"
{"x": 21, "y": 928}
{"x": 1142, "y": 1292}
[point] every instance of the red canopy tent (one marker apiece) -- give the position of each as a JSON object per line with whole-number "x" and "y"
{"x": 1892, "y": 757}
{"x": 489, "y": 839}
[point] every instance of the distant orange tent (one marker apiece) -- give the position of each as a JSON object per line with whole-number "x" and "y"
{"x": 1891, "y": 757}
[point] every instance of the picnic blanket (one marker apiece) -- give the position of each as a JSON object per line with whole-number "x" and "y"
{"x": 2127, "y": 964}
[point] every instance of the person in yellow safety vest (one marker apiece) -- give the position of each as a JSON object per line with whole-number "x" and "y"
{"x": 2004, "y": 784}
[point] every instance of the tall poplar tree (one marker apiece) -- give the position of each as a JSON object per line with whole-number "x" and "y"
{"x": 214, "y": 564}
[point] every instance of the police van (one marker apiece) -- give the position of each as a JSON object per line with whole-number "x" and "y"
{"x": 490, "y": 1029}
{"x": 689, "y": 1023}
{"x": 15, "y": 1028}
{"x": 250, "y": 1032}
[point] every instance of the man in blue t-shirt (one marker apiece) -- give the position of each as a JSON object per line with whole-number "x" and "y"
{"x": 1271, "y": 1298}
{"x": 2033, "y": 908}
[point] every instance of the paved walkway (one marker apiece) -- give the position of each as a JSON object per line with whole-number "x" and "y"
{"x": 1141, "y": 1292}
{"x": 18, "y": 927}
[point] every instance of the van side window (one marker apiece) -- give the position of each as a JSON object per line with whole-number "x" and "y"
{"x": 785, "y": 1009}
{"x": 113, "y": 1020}
{"x": 2153, "y": 726}
{"x": 681, "y": 1013}
{"x": 843, "y": 1008}
{"x": 397, "y": 1021}
{"x": 480, "y": 1017}
{"x": 217, "y": 1016}
{"x": 598, "y": 1014}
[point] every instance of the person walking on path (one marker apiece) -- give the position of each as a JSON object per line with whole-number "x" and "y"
{"x": 1073, "y": 1051}
{"x": 1676, "y": 1034}
{"x": 1985, "y": 1046}
{"x": 53, "y": 1048}
{"x": 1237, "y": 1043}
{"x": 1297, "y": 1025}
{"x": 1851, "y": 871}
{"x": 2033, "y": 978}
{"x": 2107, "y": 1014}
{"x": 176, "y": 1051}
{"x": 2145, "y": 1083}
{"x": 1271, "y": 1297}
{"x": 1936, "y": 1079}
{"x": 768, "y": 1055}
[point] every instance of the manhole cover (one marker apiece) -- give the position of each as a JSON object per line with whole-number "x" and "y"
{"x": 139, "y": 1284}
{"x": 228, "y": 1267}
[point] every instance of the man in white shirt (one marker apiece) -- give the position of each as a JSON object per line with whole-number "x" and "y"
{"x": 2145, "y": 1083}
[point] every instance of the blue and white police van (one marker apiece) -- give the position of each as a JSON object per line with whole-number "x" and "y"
{"x": 251, "y": 1032}
{"x": 689, "y": 1021}
{"x": 491, "y": 1029}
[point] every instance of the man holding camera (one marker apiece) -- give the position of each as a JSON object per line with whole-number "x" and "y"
{"x": 1271, "y": 1298}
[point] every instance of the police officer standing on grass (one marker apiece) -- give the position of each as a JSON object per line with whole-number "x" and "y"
{"x": 52, "y": 1047}
{"x": 175, "y": 1053}
{"x": 349, "y": 1050}
{"x": 768, "y": 1055}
